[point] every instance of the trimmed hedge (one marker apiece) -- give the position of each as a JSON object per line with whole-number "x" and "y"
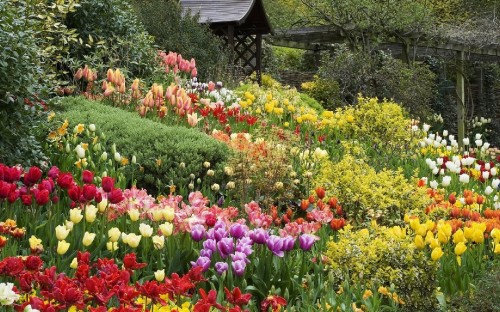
{"x": 149, "y": 141}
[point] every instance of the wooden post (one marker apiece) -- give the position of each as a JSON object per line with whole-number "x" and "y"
{"x": 460, "y": 98}
{"x": 258, "y": 57}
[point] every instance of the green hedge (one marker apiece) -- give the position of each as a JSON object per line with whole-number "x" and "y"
{"x": 149, "y": 141}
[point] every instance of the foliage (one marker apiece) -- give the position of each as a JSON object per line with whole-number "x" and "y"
{"x": 368, "y": 195}
{"x": 379, "y": 75}
{"x": 26, "y": 77}
{"x": 364, "y": 22}
{"x": 380, "y": 123}
{"x": 385, "y": 256}
{"x": 110, "y": 35}
{"x": 485, "y": 297}
{"x": 159, "y": 149}
{"x": 276, "y": 59}
{"x": 324, "y": 91}
{"x": 175, "y": 31}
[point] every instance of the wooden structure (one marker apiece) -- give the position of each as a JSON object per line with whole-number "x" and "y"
{"x": 241, "y": 23}
{"x": 323, "y": 37}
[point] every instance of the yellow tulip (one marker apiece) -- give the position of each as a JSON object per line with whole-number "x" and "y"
{"x": 75, "y": 215}
{"x": 434, "y": 243}
{"x": 419, "y": 242}
{"x": 429, "y": 237}
{"x": 88, "y": 239}
{"x": 421, "y": 229}
{"x": 414, "y": 224}
{"x": 134, "y": 214}
{"x": 158, "y": 242}
{"x": 168, "y": 213}
{"x": 478, "y": 236}
{"x": 74, "y": 264}
{"x": 166, "y": 228}
{"x": 437, "y": 253}
{"x": 443, "y": 239}
{"x": 468, "y": 233}
{"x": 497, "y": 249}
{"x": 112, "y": 246}
{"x": 459, "y": 237}
{"x": 495, "y": 233}
{"x": 90, "y": 213}
{"x": 62, "y": 247}
{"x": 35, "y": 243}
{"x": 102, "y": 205}
{"x": 133, "y": 240}
{"x": 460, "y": 248}
{"x": 157, "y": 214}
{"x": 160, "y": 275}
{"x": 146, "y": 230}
{"x": 114, "y": 234}
{"x": 61, "y": 232}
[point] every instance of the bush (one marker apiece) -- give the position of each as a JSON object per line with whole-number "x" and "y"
{"x": 325, "y": 91}
{"x": 21, "y": 80}
{"x": 380, "y": 75}
{"x": 383, "y": 257}
{"x": 367, "y": 195}
{"x": 380, "y": 123}
{"x": 113, "y": 37}
{"x": 159, "y": 149}
{"x": 174, "y": 31}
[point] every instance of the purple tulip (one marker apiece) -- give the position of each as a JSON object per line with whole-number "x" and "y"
{"x": 288, "y": 243}
{"x": 245, "y": 241}
{"x": 220, "y": 233}
{"x": 198, "y": 232}
{"x": 259, "y": 236}
{"x": 221, "y": 267}
{"x": 225, "y": 247}
{"x": 275, "y": 244}
{"x": 306, "y": 241}
{"x": 203, "y": 262}
{"x": 220, "y": 224}
{"x": 210, "y": 244}
{"x": 206, "y": 253}
{"x": 238, "y": 267}
{"x": 244, "y": 248}
{"x": 238, "y": 230}
{"x": 239, "y": 256}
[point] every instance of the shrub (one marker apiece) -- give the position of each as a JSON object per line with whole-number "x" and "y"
{"x": 21, "y": 80}
{"x": 380, "y": 75}
{"x": 380, "y": 123}
{"x": 174, "y": 31}
{"x": 113, "y": 37}
{"x": 325, "y": 91}
{"x": 367, "y": 195}
{"x": 159, "y": 149}
{"x": 384, "y": 256}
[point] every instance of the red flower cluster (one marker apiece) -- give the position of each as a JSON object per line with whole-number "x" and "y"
{"x": 94, "y": 285}
{"x": 28, "y": 186}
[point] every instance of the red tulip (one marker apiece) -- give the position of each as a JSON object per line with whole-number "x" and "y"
{"x": 32, "y": 176}
{"x": 26, "y": 199}
{"x": 89, "y": 191}
{"x": 87, "y": 176}
{"x": 320, "y": 192}
{"x": 42, "y": 197}
{"x": 115, "y": 196}
{"x": 108, "y": 184}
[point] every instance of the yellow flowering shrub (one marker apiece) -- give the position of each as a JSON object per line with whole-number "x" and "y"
{"x": 382, "y": 123}
{"x": 367, "y": 195}
{"x": 383, "y": 256}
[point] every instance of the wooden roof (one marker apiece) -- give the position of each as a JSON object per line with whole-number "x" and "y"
{"x": 249, "y": 14}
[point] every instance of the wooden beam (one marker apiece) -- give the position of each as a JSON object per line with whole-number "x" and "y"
{"x": 460, "y": 98}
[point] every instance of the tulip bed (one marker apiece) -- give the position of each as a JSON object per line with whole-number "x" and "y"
{"x": 359, "y": 209}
